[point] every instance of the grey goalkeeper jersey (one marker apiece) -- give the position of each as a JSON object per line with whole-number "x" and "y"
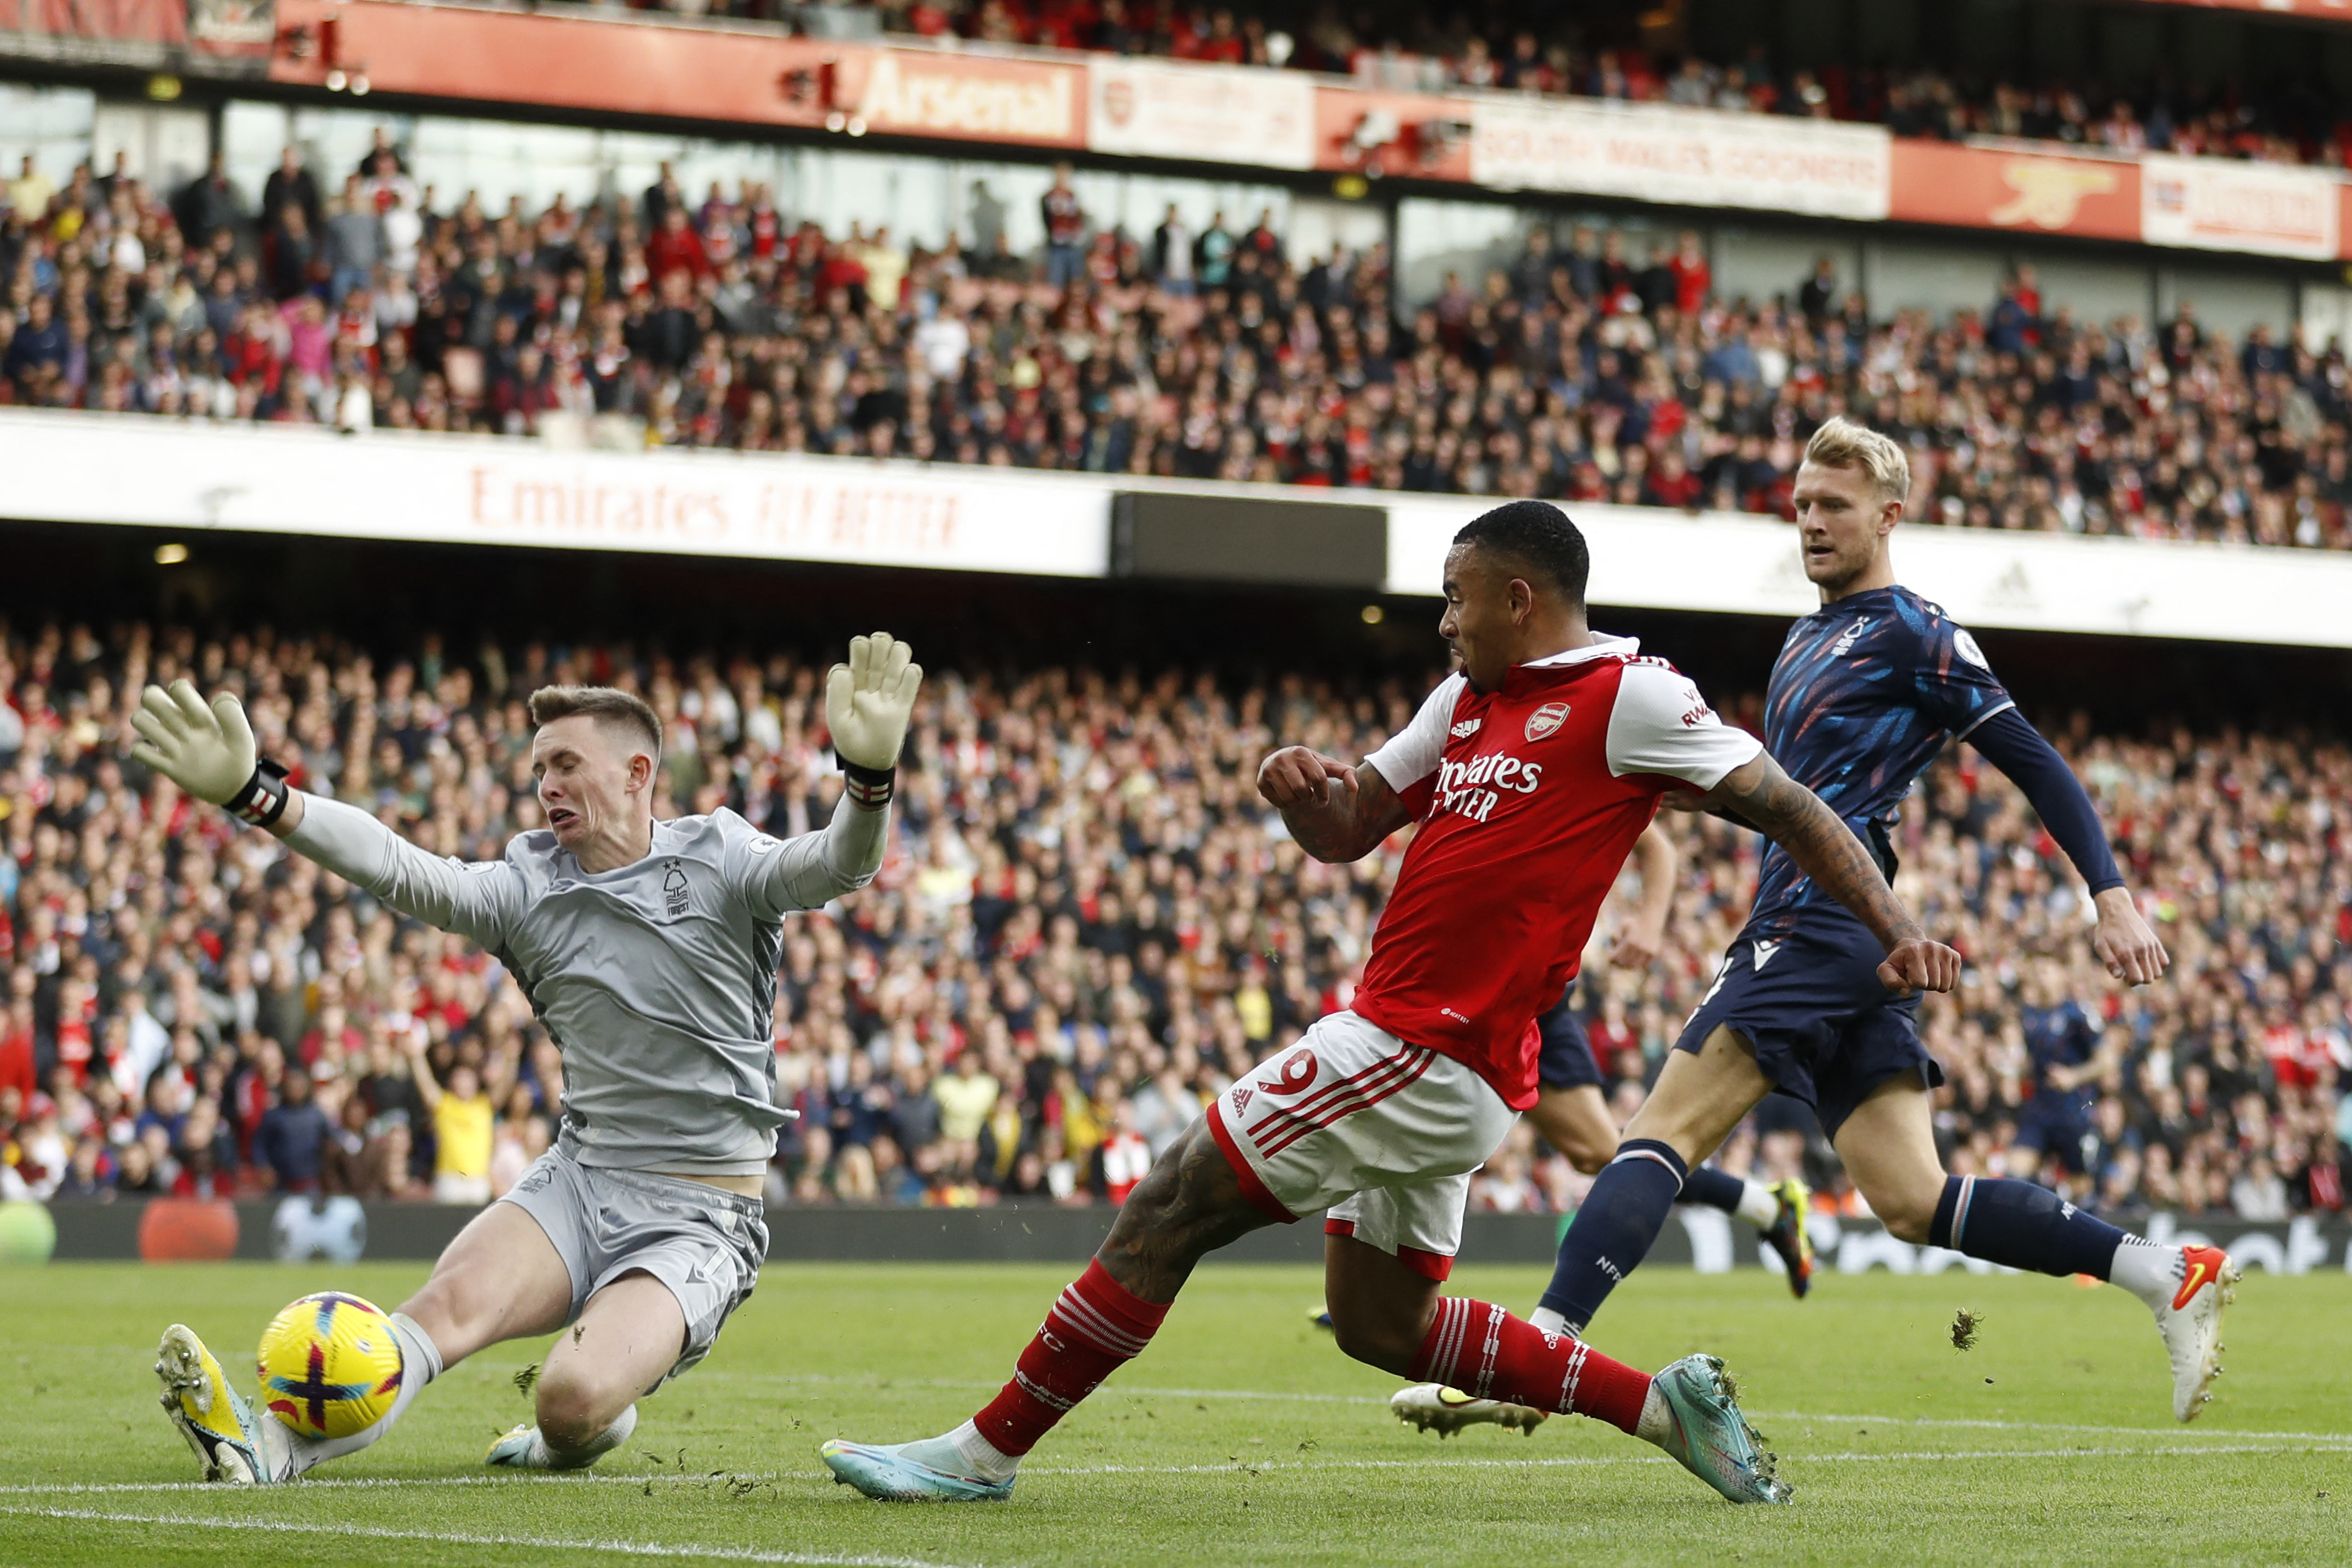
{"x": 657, "y": 980}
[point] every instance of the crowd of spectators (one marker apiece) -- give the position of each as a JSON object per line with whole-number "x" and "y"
{"x": 1586, "y": 366}
{"x": 1086, "y": 924}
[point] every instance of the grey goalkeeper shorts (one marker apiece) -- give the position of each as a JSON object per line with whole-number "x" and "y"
{"x": 704, "y": 1243}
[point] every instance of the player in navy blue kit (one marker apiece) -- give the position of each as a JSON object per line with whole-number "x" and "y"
{"x": 1866, "y": 690}
{"x": 2053, "y": 1127}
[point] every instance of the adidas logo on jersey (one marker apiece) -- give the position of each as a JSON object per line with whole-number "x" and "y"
{"x": 1467, "y": 728}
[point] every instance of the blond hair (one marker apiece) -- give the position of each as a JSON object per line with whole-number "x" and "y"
{"x": 1844, "y": 444}
{"x": 606, "y": 705}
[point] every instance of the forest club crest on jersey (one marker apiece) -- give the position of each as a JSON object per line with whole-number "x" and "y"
{"x": 1545, "y": 719}
{"x": 674, "y": 891}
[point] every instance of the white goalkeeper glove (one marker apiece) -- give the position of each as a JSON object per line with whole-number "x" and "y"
{"x": 208, "y": 752}
{"x": 867, "y": 703}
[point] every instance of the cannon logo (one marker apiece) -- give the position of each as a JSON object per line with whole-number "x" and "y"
{"x": 1547, "y": 718}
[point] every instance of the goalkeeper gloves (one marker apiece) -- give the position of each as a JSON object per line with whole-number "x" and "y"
{"x": 208, "y": 752}
{"x": 867, "y": 703}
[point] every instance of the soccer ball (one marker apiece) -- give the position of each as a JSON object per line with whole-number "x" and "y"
{"x": 329, "y": 1365}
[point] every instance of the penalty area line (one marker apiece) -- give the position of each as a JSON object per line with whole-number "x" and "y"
{"x": 465, "y": 1538}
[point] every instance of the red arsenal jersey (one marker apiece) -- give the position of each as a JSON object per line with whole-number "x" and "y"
{"x": 1528, "y": 799}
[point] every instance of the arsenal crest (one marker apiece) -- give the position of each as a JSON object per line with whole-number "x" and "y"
{"x": 1546, "y": 718}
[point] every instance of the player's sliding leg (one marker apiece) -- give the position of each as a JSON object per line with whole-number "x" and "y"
{"x": 1888, "y": 1145}
{"x": 499, "y": 1279}
{"x": 632, "y": 1334}
{"x": 1188, "y": 1206}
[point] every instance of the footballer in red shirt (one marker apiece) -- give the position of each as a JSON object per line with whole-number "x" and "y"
{"x": 1530, "y": 773}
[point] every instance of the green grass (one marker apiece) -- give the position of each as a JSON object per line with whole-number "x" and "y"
{"x": 1242, "y": 1438}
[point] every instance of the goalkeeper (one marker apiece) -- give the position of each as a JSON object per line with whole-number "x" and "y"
{"x": 649, "y": 950}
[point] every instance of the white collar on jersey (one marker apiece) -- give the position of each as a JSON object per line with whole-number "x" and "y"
{"x": 1601, "y": 644}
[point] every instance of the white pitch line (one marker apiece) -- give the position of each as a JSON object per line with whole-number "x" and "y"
{"x": 461, "y": 1537}
{"x": 394, "y": 1483}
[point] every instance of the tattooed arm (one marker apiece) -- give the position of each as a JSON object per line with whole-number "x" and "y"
{"x": 1826, "y": 850}
{"x": 1334, "y": 812}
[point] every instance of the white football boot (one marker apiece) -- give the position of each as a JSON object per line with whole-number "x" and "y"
{"x": 233, "y": 1440}
{"x": 1434, "y": 1406}
{"x": 2191, "y": 1324}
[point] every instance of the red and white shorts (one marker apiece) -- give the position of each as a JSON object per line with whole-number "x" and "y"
{"x": 1383, "y": 1134}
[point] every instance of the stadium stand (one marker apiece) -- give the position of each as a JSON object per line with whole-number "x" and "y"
{"x": 1087, "y": 923}
{"x": 1607, "y": 54}
{"x": 1583, "y": 371}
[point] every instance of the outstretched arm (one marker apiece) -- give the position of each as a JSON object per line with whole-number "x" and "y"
{"x": 868, "y": 702}
{"x": 1334, "y": 812}
{"x": 2124, "y": 943}
{"x": 1826, "y": 850}
{"x": 208, "y": 751}
{"x": 809, "y": 871}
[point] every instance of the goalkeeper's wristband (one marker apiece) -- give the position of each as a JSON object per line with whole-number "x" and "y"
{"x": 262, "y": 801}
{"x": 869, "y": 787}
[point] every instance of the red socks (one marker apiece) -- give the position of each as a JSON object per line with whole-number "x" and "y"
{"x": 1096, "y": 1326}
{"x": 1488, "y": 1353}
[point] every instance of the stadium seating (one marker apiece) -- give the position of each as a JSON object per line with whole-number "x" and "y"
{"x": 1087, "y": 923}
{"x": 1585, "y": 371}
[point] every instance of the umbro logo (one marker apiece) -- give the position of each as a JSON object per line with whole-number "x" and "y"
{"x": 1467, "y": 728}
{"x": 1764, "y": 952}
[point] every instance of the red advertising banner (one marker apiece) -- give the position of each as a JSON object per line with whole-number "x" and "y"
{"x": 631, "y": 67}
{"x": 2036, "y": 193}
{"x": 1366, "y": 131}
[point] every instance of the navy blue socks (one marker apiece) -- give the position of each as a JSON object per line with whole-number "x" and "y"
{"x": 2021, "y": 1226}
{"x": 1612, "y": 1232}
{"x": 1716, "y": 1189}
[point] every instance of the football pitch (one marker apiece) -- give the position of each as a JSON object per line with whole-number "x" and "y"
{"x": 1242, "y": 1436}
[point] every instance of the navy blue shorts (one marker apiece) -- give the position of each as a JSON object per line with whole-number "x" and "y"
{"x": 1565, "y": 1059}
{"x": 2052, "y": 1124}
{"x": 1811, "y": 1010}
